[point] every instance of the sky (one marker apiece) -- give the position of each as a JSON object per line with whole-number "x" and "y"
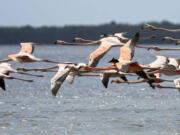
{"x": 86, "y": 12}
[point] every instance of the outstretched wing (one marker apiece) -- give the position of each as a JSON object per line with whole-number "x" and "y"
{"x": 175, "y": 62}
{"x": 59, "y": 78}
{"x": 70, "y": 78}
{"x": 27, "y": 48}
{"x": 127, "y": 51}
{"x": 104, "y": 79}
{"x": 160, "y": 60}
{"x": 2, "y": 84}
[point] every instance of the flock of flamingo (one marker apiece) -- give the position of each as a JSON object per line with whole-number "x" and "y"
{"x": 122, "y": 67}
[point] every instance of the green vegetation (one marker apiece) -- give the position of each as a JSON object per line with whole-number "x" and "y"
{"x": 47, "y": 35}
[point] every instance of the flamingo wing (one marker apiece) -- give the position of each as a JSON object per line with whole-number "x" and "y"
{"x": 175, "y": 62}
{"x": 59, "y": 78}
{"x": 27, "y": 48}
{"x": 2, "y": 84}
{"x": 127, "y": 51}
{"x": 160, "y": 60}
{"x": 104, "y": 79}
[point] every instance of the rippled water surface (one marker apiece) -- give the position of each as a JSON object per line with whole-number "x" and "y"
{"x": 86, "y": 108}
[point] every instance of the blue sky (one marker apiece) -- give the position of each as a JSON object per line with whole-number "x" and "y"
{"x": 86, "y": 12}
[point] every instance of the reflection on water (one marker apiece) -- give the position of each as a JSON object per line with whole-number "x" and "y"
{"x": 86, "y": 108}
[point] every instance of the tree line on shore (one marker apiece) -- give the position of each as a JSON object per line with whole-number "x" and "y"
{"x": 47, "y": 35}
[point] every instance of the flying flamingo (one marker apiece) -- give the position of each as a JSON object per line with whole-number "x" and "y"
{"x": 67, "y": 71}
{"x": 120, "y": 36}
{"x": 158, "y": 63}
{"x": 156, "y": 82}
{"x": 175, "y": 62}
{"x": 124, "y": 63}
{"x": 63, "y": 73}
{"x": 6, "y": 69}
{"x": 151, "y": 27}
{"x": 170, "y": 39}
{"x": 167, "y": 66}
{"x": 106, "y": 44}
{"x": 104, "y": 76}
{"x": 157, "y": 48}
{"x": 26, "y": 54}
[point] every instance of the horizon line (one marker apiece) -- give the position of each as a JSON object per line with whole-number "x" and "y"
{"x": 106, "y": 23}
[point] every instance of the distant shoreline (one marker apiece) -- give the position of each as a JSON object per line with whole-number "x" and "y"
{"x": 47, "y": 35}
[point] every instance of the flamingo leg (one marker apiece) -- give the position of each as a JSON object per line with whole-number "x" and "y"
{"x": 38, "y": 69}
{"x": 25, "y": 80}
{"x": 29, "y": 74}
{"x": 5, "y": 60}
{"x": 129, "y": 82}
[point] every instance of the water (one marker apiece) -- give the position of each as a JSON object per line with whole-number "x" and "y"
{"x": 86, "y": 108}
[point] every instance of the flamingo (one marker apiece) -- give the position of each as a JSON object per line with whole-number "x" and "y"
{"x": 167, "y": 66}
{"x": 157, "y": 48}
{"x": 64, "y": 74}
{"x": 104, "y": 76}
{"x": 6, "y": 69}
{"x": 125, "y": 64}
{"x": 69, "y": 71}
{"x": 170, "y": 39}
{"x": 59, "y": 78}
{"x": 71, "y": 76}
{"x": 126, "y": 55}
{"x": 26, "y": 54}
{"x": 158, "y": 63}
{"x": 160, "y": 60}
{"x": 106, "y": 43}
{"x": 175, "y": 62}
{"x": 156, "y": 82}
{"x": 168, "y": 70}
{"x": 151, "y": 27}
{"x": 120, "y": 36}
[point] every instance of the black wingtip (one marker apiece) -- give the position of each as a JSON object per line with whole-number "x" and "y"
{"x": 2, "y": 84}
{"x": 113, "y": 60}
{"x": 150, "y": 82}
{"x": 105, "y": 85}
{"x": 163, "y": 39}
{"x": 73, "y": 40}
{"x": 3, "y": 88}
{"x": 142, "y": 74}
{"x": 54, "y": 93}
{"x": 124, "y": 78}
